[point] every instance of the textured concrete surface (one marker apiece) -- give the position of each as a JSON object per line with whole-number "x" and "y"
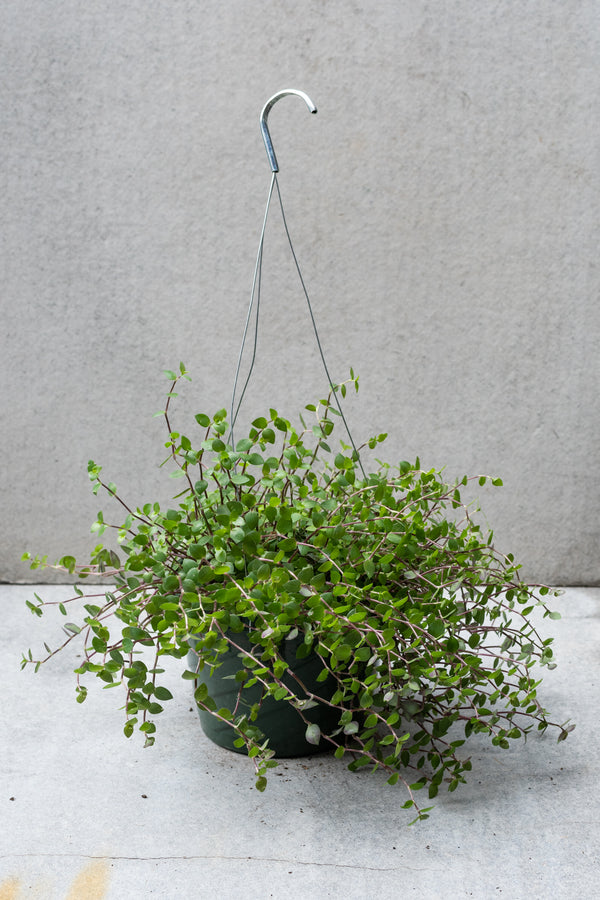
{"x": 444, "y": 205}
{"x": 89, "y": 815}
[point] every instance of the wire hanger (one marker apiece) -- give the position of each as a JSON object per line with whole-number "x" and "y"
{"x": 256, "y": 281}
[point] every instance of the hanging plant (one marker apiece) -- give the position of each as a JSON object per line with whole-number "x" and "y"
{"x": 421, "y": 632}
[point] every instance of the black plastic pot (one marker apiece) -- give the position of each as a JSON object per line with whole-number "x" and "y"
{"x": 277, "y": 719}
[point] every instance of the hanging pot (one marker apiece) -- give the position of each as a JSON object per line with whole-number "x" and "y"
{"x": 278, "y": 720}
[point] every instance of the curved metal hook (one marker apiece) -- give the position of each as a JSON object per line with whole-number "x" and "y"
{"x": 263, "y": 121}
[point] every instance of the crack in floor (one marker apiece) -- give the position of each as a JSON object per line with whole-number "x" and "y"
{"x": 261, "y": 859}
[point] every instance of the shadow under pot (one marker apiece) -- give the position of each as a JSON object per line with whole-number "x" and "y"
{"x": 278, "y": 720}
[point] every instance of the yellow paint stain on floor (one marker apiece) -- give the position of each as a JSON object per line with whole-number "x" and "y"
{"x": 91, "y": 883}
{"x": 9, "y": 889}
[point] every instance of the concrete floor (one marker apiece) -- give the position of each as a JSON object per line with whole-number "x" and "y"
{"x": 89, "y": 814}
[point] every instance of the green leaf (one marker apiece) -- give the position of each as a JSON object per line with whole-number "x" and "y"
{"x": 436, "y": 629}
{"x": 163, "y": 693}
{"x": 189, "y": 676}
{"x": 68, "y": 563}
{"x": 34, "y": 609}
{"x": 241, "y": 479}
{"x": 148, "y": 727}
{"x": 201, "y": 692}
{"x": 133, "y": 633}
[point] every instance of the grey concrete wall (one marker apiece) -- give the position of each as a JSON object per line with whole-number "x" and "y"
{"x": 444, "y": 205}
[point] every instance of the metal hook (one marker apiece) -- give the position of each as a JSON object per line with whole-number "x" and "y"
{"x": 263, "y": 121}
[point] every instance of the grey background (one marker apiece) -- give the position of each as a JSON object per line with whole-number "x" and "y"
{"x": 444, "y": 208}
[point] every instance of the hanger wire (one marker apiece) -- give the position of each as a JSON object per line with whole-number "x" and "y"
{"x": 255, "y": 304}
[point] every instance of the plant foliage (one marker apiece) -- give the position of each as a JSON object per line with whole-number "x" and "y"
{"x": 424, "y": 628}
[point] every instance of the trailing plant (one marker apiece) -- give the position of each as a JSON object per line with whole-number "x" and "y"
{"x": 423, "y": 631}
